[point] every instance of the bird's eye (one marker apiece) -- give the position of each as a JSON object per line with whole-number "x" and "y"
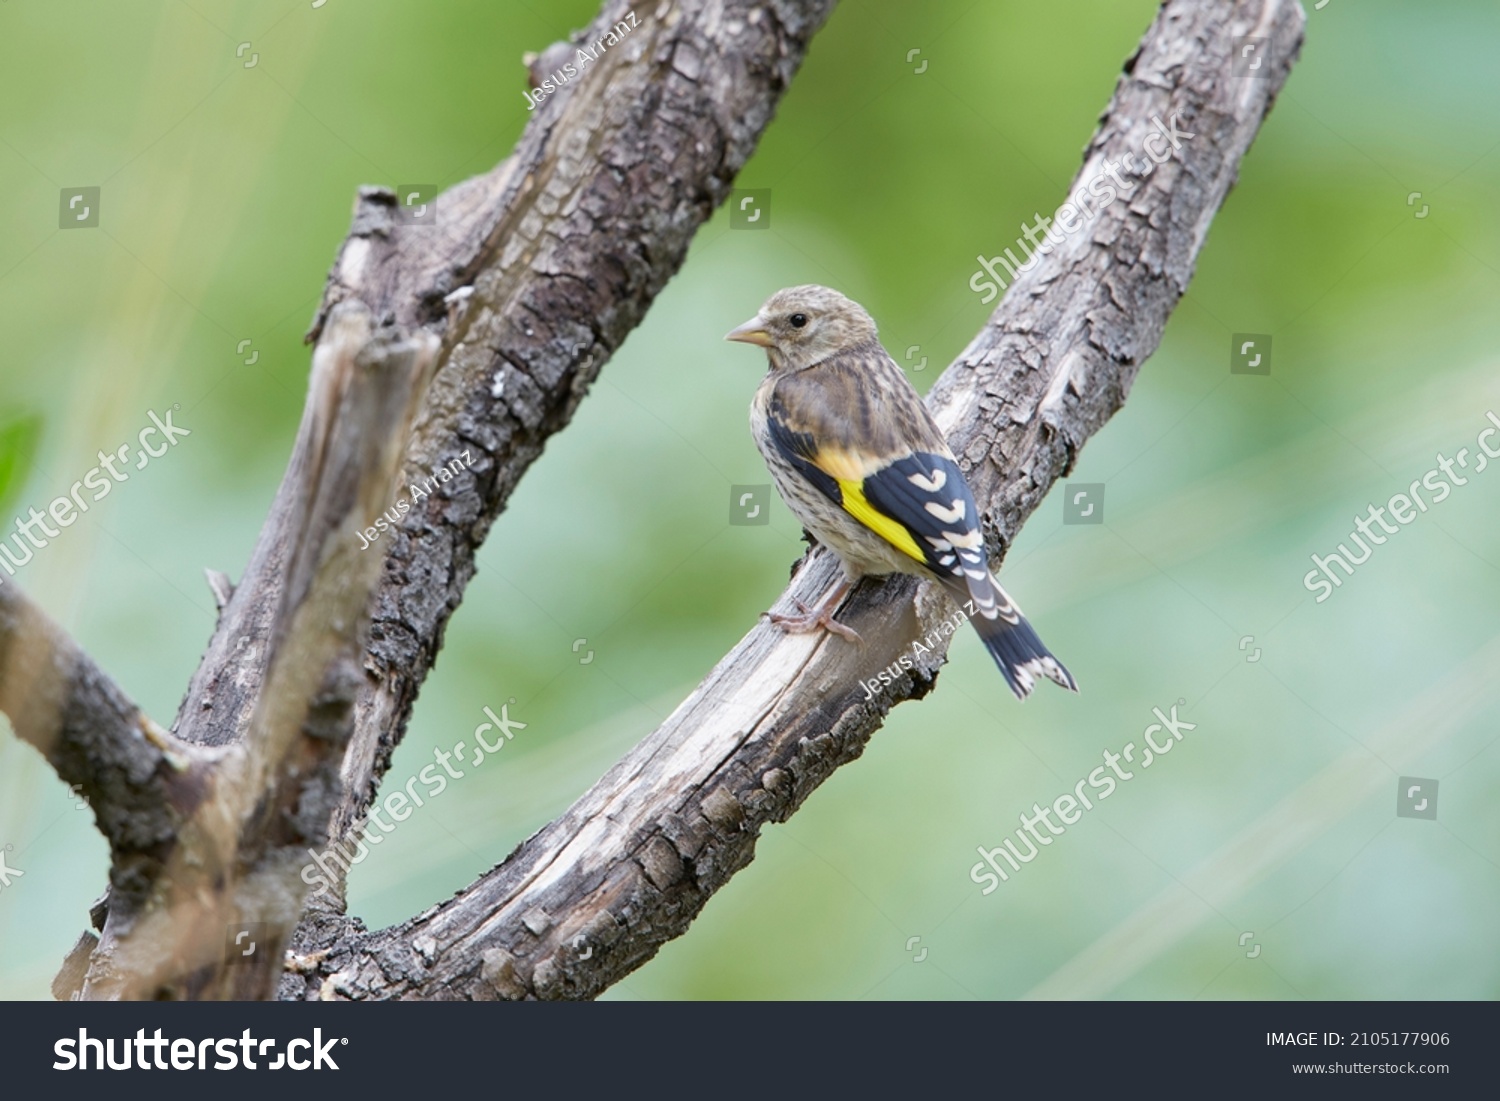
{"x": 798, "y": 320}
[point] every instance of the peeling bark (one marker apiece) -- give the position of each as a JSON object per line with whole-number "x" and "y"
{"x": 498, "y": 314}
{"x": 594, "y": 894}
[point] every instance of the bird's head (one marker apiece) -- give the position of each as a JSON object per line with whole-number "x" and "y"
{"x": 802, "y": 326}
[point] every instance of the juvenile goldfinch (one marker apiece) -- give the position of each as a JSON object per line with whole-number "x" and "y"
{"x": 860, "y": 461}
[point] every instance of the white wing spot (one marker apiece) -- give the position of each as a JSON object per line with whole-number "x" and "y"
{"x": 967, "y": 540}
{"x": 930, "y": 485}
{"x": 948, "y": 515}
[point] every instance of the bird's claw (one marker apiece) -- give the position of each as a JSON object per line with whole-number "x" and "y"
{"x": 810, "y": 620}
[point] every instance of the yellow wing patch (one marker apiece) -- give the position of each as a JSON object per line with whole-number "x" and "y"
{"x": 882, "y": 525}
{"x": 847, "y": 465}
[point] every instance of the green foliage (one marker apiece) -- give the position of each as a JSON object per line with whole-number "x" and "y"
{"x": 19, "y": 437}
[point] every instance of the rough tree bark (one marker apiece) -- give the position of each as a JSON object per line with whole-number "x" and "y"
{"x": 517, "y": 291}
{"x": 529, "y": 278}
{"x": 593, "y": 895}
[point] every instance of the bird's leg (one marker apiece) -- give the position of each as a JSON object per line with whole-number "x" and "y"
{"x": 821, "y": 616}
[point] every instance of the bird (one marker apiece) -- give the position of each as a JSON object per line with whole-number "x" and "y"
{"x": 858, "y": 459}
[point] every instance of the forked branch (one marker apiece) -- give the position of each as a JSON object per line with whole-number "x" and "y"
{"x": 595, "y": 894}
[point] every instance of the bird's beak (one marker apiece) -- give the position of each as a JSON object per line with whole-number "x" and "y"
{"x": 751, "y": 332}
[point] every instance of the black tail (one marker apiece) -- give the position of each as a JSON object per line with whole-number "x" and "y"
{"x": 1016, "y": 648}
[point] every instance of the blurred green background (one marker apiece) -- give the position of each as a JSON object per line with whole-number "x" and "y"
{"x": 226, "y": 190}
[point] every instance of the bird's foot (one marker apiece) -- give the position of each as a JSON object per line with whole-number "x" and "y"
{"x": 811, "y": 620}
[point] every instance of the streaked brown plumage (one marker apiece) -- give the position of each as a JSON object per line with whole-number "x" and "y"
{"x": 860, "y": 461}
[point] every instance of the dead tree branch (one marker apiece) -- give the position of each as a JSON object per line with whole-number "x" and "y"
{"x": 136, "y": 776}
{"x": 257, "y": 802}
{"x": 496, "y": 316}
{"x": 516, "y": 291}
{"x": 594, "y": 894}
